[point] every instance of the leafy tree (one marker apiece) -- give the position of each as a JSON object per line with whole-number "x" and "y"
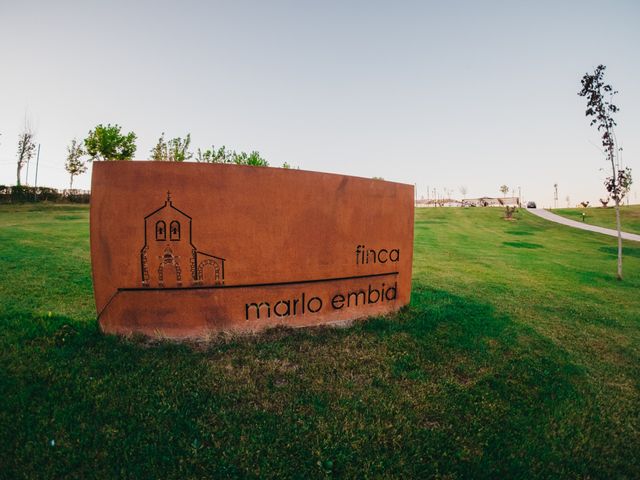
{"x": 504, "y": 189}
{"x": 107, "y": 143}
{"x": 175, "y": 150}
{"x": 74, "y": 164}
{"x": 204, "y": 156}
{"x": 253, "y": 159}
{"x": 26, "y": 147}
{"x": 601, "y": 109}
{"x": 222, "y": 155}
{"x": 160, "y": 153}
{"x": 178, "y": 149}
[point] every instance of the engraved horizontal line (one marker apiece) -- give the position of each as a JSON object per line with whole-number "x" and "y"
{"x": 255, "y": 285}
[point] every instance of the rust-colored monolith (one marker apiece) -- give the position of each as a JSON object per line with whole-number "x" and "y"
{"x": 183, "y": 250}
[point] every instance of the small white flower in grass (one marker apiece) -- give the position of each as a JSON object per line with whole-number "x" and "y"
{"x": 52, "y": 443}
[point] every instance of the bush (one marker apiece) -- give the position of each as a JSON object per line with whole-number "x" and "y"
{"x": 25, "y": 194}
{"x": 77, "y": 196}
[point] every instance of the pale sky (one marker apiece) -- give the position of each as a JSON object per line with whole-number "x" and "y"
{"x": 437, "y": 94}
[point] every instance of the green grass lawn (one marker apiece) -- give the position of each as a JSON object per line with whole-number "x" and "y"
{"x": 605, "y": 217}
{"x": 519, "y": 357}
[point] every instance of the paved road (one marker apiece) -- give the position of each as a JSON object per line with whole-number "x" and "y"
{"x": 547, "y": 215}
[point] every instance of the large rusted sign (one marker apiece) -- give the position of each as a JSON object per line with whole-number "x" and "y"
{"x": 187, "y": 249}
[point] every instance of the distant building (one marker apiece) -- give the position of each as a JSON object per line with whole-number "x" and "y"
{"x": 443, "y": 202}
{"x": 470, "y": 202}
{"x": 492, "y": 202}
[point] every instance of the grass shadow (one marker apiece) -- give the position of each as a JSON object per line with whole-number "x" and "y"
{"x": 519, "y": 232}
{"x": 434, "y": 221}
{"x": 522, "y": 245}
{"x": 626, "y": 251}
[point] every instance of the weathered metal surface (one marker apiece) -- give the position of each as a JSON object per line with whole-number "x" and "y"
{"x": 185, "y": 249}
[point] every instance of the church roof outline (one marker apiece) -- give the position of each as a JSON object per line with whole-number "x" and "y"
{"x": 169, "y": 202}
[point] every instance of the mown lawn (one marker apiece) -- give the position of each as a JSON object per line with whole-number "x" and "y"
{"x": 605, "y": 217}
{"x": 518, "y": 357}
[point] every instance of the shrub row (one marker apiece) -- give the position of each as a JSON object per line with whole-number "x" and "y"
{"x": 23, "y": 194}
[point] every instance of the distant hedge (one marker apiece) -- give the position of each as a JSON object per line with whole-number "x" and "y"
{"x": 24, "y": 194}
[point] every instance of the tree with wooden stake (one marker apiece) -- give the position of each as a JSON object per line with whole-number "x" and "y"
{"x": 601, "y": 109}
{"x": 463, "y": 191}
{"x": 74, "y": 164}
{"x": 26, "y": 148}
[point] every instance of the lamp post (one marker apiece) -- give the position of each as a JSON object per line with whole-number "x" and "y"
{"x": 519, "y": 196}
{"x": 35, "y": 185}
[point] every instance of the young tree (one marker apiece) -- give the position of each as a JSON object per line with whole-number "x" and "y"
{"x": 504, "y": 189}
{"x": 463, "y": 191}
{"x": 74, "y": 164}
{"x": 205, "y": 156}
{"x": 222, "y": 155}
{"x": 174, "y": 150}
{"x": 600, "y": 108}
{"x": 253, "y": 159}
{"x": 178, "y": 149}
{"x": 106, "y": 143}
{"x": 509, "y": 211}
{"x": 26, "y": 147}
{"x": 160, "y": 152}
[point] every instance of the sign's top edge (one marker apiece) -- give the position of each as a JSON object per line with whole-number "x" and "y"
{"x": 226, "y": 165}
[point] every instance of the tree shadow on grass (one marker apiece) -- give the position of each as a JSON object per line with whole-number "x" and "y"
{"x": 433, "y": 221}
{"x": 519, "y": 232}
{"x": 502, "y": 383}
{"x": 626, "y": 251}
{"x": 522, "y": 245}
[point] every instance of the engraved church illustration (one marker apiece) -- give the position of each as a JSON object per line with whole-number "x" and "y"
{"x": 169, "y": 258}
